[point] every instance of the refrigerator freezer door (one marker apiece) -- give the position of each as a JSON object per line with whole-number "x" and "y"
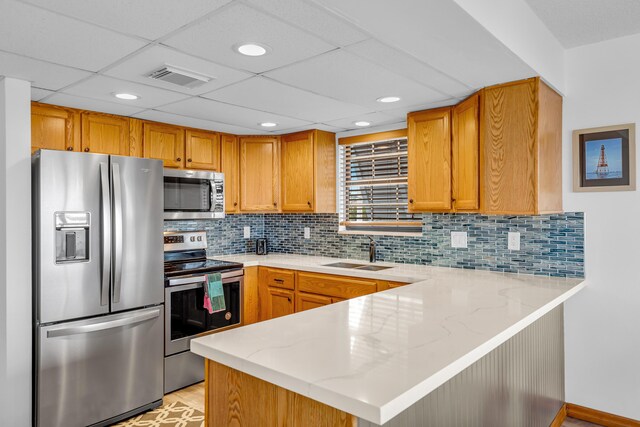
{"x": 91, "y": 370}
{"x": 137, "y": 208}
{"x": 67, "y": 186}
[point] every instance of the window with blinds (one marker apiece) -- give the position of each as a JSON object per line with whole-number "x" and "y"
{"x": 373, "y": 187}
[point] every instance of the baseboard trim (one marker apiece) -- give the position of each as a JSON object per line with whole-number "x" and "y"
{"x": 560, "y": 417}
{"x": 598, "y": 417}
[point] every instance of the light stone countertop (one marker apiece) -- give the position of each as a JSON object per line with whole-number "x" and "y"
{"x": 376, "y": 355}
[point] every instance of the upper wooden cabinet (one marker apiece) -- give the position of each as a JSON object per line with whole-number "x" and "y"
{"x": 54, "y": 128}
{"x": 465, "y": 151}
{"x": 308, "y": 175}
{"x": 164, "y": 142}
{"x": 429, "y": 160}
{"x": 521, "y": 149}
{"x": 203, "y": 150}
{"x": 259, "y": 173}
{"x": 106, "y": 134}
{"x": 230, "y": 167}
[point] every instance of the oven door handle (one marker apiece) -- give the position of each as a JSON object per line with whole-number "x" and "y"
{"x": 229, "y": 276}
{"x": 197, "y": 280}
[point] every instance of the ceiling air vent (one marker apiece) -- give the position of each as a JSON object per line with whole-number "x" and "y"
{"x": 179, "y": 76}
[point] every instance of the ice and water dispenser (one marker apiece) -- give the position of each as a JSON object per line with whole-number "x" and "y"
{"x": 72, "y": 236}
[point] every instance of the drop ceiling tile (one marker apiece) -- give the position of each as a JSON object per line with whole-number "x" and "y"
{"x": 40, "y": 34}
{"x": 37, "y": 93}
{"x": 342, "y": 75}
{"x": 137, "y": 67}
{"x": 408, "y": 66}
{"x": 175, "y": 119}
{"x": 150, "y": 19}
{"x": 207, "y": 109}
{"x": 319, "y": 126}
{"x": 312, "y": 18}
{"x": 41, "y": 74}
{"x": 260, "y": 93}
{"x": 92, "y": 104}
{"x": 103, "y": 88}
{"x": 376, "y": 119}
{"x": 215, "y": 37}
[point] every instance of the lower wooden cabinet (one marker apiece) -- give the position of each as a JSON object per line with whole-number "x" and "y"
{"x": 305, "y": 301}
{"x": 334, "y": 286}
{"x": 276, "y": 302}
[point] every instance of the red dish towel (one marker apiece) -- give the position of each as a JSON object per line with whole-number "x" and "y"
{"x": 207, "y": 300}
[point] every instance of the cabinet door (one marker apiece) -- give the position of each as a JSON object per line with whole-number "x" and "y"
{"x": 465, "y": 148}
{"x": 297, "y": 176}
{"x": 508, "y": 130}
{"x": 203, "y": 150}
{"x": 279, "y": 302}
{"x": 259, "y": 174}
{"x": 54, "y": 128}
{"x": 229, "y": 163}
{"x": 308, "y": 301}
{"x": 429, "y": 160}
{"x": 102, "y": 133}
{"x": 165, "y": 143}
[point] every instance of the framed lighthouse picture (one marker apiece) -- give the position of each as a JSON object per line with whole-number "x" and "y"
{"x": 604, "y": 158}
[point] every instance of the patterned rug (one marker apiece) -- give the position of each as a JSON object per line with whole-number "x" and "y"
{"x": 177, "y": 414}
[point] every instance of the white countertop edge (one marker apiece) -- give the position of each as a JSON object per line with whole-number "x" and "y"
{"x": 384, "y": 413}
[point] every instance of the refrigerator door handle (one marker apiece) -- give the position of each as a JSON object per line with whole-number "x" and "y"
{"x": 101, "y": 326}
{"x": 106, "y": 234}
{"x": 117, "y": 231}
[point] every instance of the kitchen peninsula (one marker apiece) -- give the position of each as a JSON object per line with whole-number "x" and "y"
{"x": 484, "y": 346}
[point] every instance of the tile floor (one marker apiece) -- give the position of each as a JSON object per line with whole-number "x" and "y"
{"x": 194, "y": 396}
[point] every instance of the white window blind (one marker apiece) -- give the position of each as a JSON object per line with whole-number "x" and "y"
{"x": 373, "y": 186}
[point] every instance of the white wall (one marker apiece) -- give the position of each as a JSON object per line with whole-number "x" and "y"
{"x": 603, "y": 322}
{"x": 15, "y": 253}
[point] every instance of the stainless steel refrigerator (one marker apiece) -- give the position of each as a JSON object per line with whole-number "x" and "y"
{"x": 98, "y": 287}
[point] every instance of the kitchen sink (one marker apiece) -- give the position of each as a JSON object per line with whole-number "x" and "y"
{"x": 357, "y": 266}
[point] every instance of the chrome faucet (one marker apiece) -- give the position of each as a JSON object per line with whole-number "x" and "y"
{"x": 372, "y": 250}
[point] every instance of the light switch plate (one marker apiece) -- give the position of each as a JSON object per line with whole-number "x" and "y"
{"x": 307, "y": 233}
{"x": 458, "y": 239}
{"x": 247, "y": 232}
{"x": 514, "y": 241}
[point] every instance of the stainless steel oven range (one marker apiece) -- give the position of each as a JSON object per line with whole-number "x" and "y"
{"x": 185, "y": 272}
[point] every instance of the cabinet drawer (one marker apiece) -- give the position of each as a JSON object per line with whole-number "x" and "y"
{"x": 277, "y": 277}
{"x": 335, "y": 286}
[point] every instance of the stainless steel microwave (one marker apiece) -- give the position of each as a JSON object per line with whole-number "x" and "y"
{"x": 192, "y": 194}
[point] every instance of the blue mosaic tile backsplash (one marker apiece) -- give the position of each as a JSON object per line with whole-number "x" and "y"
{"x": 551, "y": 245}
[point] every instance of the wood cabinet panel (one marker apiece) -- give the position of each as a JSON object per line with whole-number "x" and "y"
{"x": 298, "y": 171}
{"x": 54, "y": 128}
{"x": 230, "y": 167}
{"x": 429, "y": 160}
{"x": 383, "y": 285}
{"x": 465, "y": 149}
{"x": 105, "y": 134}
{"x": 164, "y": 142}
{"x": 250, "y": 307}
{"x": 508, "y": 148}
{"x": 306, "y": 301}
{"x": 277, "y": 277}
{"x": 334, "y": 286}
{"x": 202, "y": 150}
{"x": 549, "y": 150}
{"x": 276, "y": 302}
{"x": 259, "y": 174}
{"x": 325, "y": 172}
{"x": 136, "y": 137}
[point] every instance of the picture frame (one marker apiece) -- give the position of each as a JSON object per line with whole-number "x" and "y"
{"x": 604, "y": 158}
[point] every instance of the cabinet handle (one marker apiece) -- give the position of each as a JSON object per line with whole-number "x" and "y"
{"x": 189, "y": 160}
{"x": 235, "y": 203}
{"x": 86, "y": 150}
{"x": 69, "y": 148}
{"x": 178, "y": 159}
{"x": 289, "y": 299}
{"x": 410, "y": 200}
{"x": 275, "y": 203}
{"x": 278, "y": 280}
{"x": 309, "y": 203}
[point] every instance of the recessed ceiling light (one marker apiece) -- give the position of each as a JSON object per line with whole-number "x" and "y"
{"x": 387, "y": 99}
{"x": 127, "y": 96}
{"x": 251, "y": 49}
{"x": 362, "y": 124}
{"x": 268, "y": 124}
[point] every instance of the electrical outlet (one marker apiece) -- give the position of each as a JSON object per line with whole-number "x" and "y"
{"x": 514, "y": 241}
{"x": 247, "y": 232}
{"x": 307, "y": 233}
{"x": 458, "y": 239}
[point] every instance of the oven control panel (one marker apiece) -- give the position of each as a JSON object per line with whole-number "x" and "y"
{"x": 184, "y": 240}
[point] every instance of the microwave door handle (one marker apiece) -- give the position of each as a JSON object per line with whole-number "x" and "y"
{"x": 117, "y": 231}
{"x": 106, "y": 234}
{"x": 212, "y": 193}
